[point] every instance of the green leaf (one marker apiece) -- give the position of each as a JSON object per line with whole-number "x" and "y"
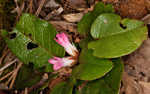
{"x": 109, "y": 84}
{"x": 33, "y": 41}
{"x": 114, "y": 41}
{"x": 109, "y": 24}
{"x": 62, "y": 88}
{"x": 27, "y": 77}
{"x": 41, "y": 32}
{"x": 91, "y": 67}
{"x": 106, "y": 25}
{"x": 84, "y": 42}
{"x": 85, "y": 24}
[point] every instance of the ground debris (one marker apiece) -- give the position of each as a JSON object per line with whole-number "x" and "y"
{"x": 135, "y": 9}
{"x": 130, "y": 85}
{"x": 64, "y": 26}
{"x": 73, "y": 5}
{"x": 146, "y": 19}
{"x": 54, "y": 13}
{"x": 138, "y": 63}
{"x": 137, "y": 69}
{"x": 145, "y": 87}
{"x": 51, "y": 4}
{"x": 73, "y": 17}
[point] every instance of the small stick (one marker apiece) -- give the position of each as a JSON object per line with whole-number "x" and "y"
{"x": 54, "y": 13}
{"x": 31, "y": 6}
{"x": 4, "y": 54}
{"x": 15, "y": 75}
{"x": 26, "y": 91}
{"x": 7, "y": 65}
{"x": 40, "y": 7}
{"x": 9, "y": 80}
{"x": 39, "y": 84}
{"x": 17, "y": 7}
{"x": 22, "y": 7}
{"x": 4, "y": 77}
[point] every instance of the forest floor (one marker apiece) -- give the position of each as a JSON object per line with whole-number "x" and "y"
{"x": 65, "y": 15}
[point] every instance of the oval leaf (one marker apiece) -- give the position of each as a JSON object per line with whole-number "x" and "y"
{"x": 85, "y": 24}
{"x": 62, "y": 88}
{"x": 114, "y": 41}
{"x": 32, "y": 41}
{"x": 109, "y": 84}
{"x": 90, "y": 67}
{"x": 109, "y": 24}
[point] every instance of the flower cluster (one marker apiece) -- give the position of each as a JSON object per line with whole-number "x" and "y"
{"x": 57, "y": 62}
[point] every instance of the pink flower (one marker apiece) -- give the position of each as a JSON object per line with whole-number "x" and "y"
{"x": 63, "y": 40}
{"x": 61, "y": 62}
{"x": 57, "y": 62}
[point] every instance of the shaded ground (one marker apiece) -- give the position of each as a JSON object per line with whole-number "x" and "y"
{"x": 65, "y": 15}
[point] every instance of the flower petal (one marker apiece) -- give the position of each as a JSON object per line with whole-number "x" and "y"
{"x": 61, "y": 62}
{"x": 63, "y": 40}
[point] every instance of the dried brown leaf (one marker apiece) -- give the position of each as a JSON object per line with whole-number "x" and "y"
{"x": 73, "y": 17}
{"x": 145, "y": 87}
{"x": 64, "y": 26}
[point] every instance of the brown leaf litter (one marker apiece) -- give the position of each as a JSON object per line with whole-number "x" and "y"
{"x": 137, "y": 68}
{"x": 135, "y": 9}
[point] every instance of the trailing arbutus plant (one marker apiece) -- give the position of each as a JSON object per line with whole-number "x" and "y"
{"x": 95, "y": 64}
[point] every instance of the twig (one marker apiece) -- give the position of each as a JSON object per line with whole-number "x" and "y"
{"x": 26, "y": 91}
{"x": 54, "y": 13}
{"x": 22, "y": 7}
{"x": 42, "y": 81}
{"x": 7, "y": 65}
{"x": 4, "y": 77}
{"x": 39, "y": 84}
{"x": 17, "y": 7}
{"x": 9, "y": 80}
{"x": 40, "y": 7}
{"x": 4, "y": 54}
{"x": 14, "y": 75}
{"x": 31, "y": 6}
{"x": 41, "y": 92}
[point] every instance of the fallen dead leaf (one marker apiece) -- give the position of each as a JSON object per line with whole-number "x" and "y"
{"x": 64, "y": 26}
{"x": 110, "y": 1}
{"x": 54, "y": 13}
{"x": 51, "y": 4}
{"x": 145, "y": 87}
{"x": 135, "y": 9}
{"x": 130, "y": 85}
{"x": 138, "y": 63}
{"x": 147, "y": 2}
{"x": 146, "y": 19}
{"x": 74, "y": 17}
{"x": 137, "y": 68}
{"x": 70, "y": 5}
